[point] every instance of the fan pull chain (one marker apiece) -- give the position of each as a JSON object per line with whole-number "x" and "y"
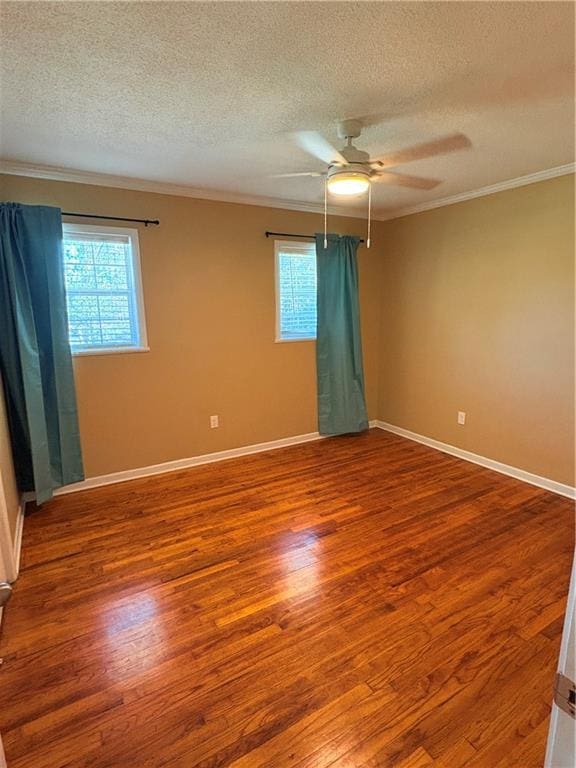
{"x": 325, "y": 212}
{"x": 369, "y": 214}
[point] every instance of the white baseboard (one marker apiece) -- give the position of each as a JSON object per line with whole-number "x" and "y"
{"x": 10, "y": 546}
{"x": 18, "y": 536}
{"x": 483, "y": 461}
{"x": 209, "y": 458}
{"x": 11, "y": 560}
{"x": 193, "y": 461}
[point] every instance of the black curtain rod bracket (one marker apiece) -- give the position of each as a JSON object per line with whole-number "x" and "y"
{"x": 291, "y": 234}
{"x": 146, "y": 222}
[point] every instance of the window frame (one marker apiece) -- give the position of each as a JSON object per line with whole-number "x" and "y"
{"x": 132, "y": 235}
{"x": 278, "y": 245}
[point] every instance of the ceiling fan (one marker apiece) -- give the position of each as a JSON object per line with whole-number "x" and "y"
{"x": 351, "y": 171}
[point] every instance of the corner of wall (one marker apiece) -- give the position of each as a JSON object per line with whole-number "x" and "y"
{"x": 383, "y": 229}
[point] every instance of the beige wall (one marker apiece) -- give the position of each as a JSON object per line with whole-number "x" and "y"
{"x": 467, "y": 307}
{"x": 208, "y": 276}
{"x": 8, "y": 490}
{"x": 478, "y": 315}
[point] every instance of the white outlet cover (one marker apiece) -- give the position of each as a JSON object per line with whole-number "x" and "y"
{"x": 461, "y": 417}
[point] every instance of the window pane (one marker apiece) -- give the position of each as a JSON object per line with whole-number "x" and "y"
{"x": 81, "y": 307}
{"x": 78, "y": 266}
{"x": 109, "y": 277}
{"x": 297, "y": 288}
{"x": 118, "y": 332}
{"x": 102, "y": 304}
{"x": 114, "y": 307}
{"x": 111, "y": 253}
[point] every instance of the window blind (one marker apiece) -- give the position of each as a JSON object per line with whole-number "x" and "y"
{"x": 296, "y": 268}
{"x": 99, "y": 276}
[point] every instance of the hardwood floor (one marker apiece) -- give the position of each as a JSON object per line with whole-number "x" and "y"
{"x": 353, "y": 602}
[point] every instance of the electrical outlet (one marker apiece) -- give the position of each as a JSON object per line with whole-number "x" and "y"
{"x": 461, "y": 417}
{"x": 214, "y": 422}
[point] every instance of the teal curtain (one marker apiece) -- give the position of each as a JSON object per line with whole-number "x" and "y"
{"x": 35, "y": 358}
{"x": 339, "y": 368}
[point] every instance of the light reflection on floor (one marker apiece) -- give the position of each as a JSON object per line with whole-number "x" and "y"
{"x": 135, "y": 633}
{"x": 300, "y": 562}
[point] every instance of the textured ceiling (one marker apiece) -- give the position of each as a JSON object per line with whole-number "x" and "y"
{"x": 209, "y": 94}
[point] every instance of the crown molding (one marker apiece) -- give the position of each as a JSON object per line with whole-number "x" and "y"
{"x": 58, "y": 173}
{"x": 501, "y": 186}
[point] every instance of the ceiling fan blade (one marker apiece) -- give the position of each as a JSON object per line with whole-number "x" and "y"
{"x": 294, "y": 175}
{"x": 403, "y": 180}
{"x": 420, "y": 151}
{"x": 317, "y": 146}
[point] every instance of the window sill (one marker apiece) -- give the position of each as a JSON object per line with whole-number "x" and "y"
{"x": 109, "y": 351}
{"x": 291, "y": 341}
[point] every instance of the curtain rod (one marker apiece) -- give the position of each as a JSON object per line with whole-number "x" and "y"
{"x": 146, "y": 222}
{"x": 291, "y": 234}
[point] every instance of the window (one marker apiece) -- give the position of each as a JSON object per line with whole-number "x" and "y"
{"x": 103, "y": 289}
{"x": 295, "y": 291}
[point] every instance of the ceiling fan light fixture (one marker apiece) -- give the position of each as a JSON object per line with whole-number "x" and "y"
{"x": 348, "y": 183}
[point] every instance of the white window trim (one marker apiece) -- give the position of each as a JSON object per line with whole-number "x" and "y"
{"x": 278, "y": 245}
{"x": 132, "y": 235}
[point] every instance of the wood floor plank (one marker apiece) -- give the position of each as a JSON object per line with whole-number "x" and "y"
{"x": 358, "y": 602}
